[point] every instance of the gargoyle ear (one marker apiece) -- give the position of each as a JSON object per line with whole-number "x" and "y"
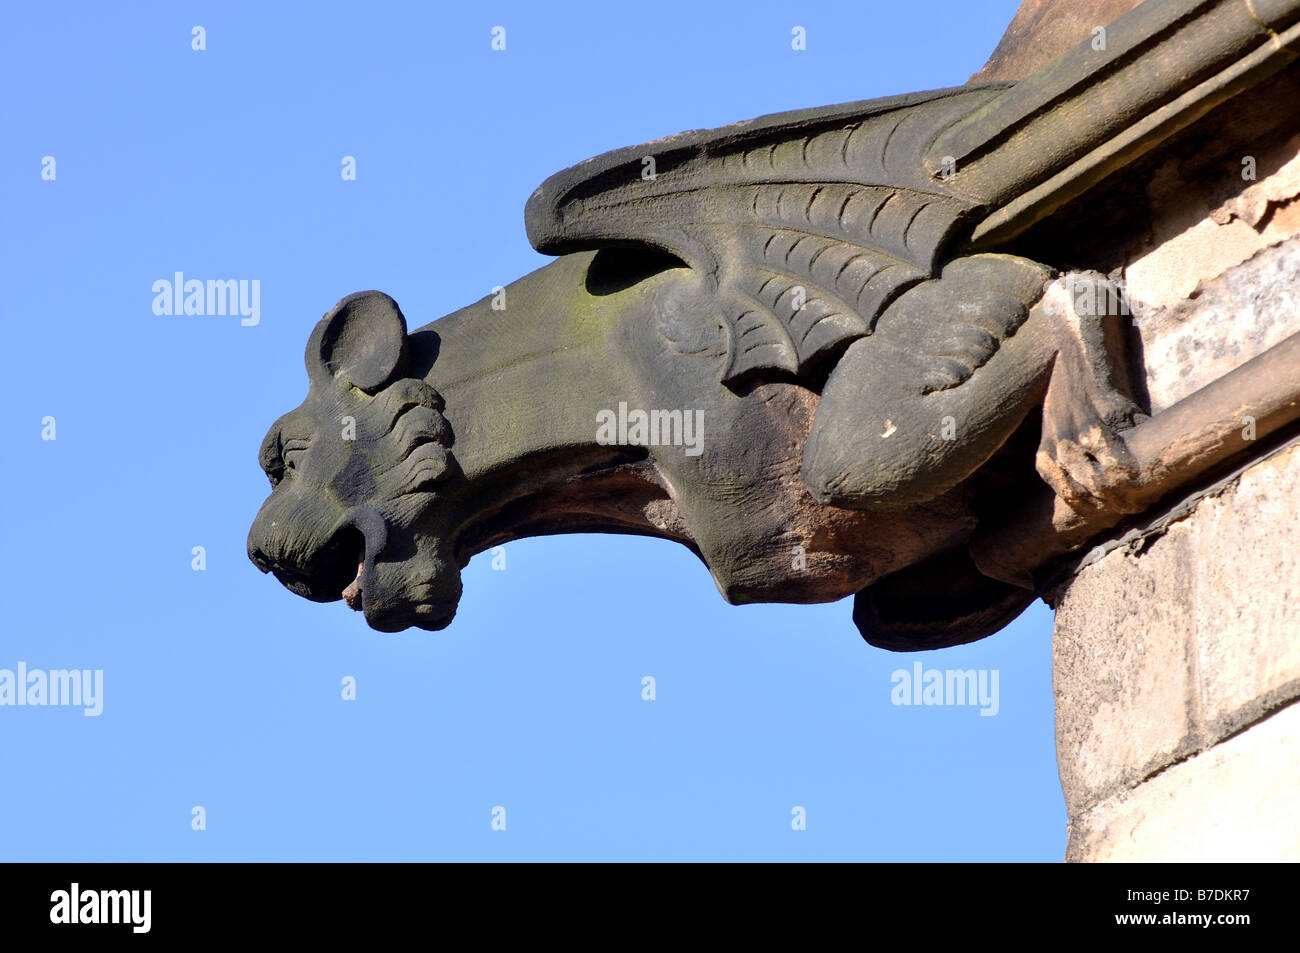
{"x": 362, "y": 340}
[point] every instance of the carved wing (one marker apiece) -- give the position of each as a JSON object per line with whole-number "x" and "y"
{"x": 807, "y": 224}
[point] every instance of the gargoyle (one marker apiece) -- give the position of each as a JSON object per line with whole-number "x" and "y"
{"x": 825, "y": 291}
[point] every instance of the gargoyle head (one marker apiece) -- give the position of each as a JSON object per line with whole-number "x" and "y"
{"x": 354, "y": 471}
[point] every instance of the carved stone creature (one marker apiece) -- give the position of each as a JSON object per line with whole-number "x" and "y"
{"x": 822, "y": 289}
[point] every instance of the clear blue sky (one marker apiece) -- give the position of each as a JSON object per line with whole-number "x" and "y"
{"x": 221, "y": 689}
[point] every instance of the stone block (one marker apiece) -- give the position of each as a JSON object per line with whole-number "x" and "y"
{"x": 1234, "y": 802}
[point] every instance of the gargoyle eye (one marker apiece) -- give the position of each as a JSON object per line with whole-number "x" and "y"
{"x": 292, "y": 449}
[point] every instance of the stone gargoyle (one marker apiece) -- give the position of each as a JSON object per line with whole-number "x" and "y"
{"x": 796, "y": 345}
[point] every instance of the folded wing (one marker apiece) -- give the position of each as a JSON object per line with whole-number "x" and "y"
{"x": 806, "y": 224}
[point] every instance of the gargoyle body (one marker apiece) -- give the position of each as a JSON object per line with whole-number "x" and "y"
{"x": 785, "y": 344}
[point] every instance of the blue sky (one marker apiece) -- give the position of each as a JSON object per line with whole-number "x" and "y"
{"x": 221, "y": 689}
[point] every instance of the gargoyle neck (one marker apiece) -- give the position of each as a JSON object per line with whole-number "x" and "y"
{"x": 524, "y": 384}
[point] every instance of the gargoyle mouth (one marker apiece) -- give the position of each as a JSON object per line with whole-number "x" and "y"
{"x": 436, "y": 614}
{"x": 352, "y": 595}
{"x": 407, "y": 587}
{"x": 374, "y": 531}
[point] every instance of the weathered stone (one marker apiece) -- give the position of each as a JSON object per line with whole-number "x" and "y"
{"x": 1247, "y": 572}
{"x": 1235, "y": 802}
{"x": 1192, "y": 244}
{"x": 1212, "y": 203}
{"x": 1044, "y": 29}
{"x": 1236, "y": 314}
{"x": 1168, "y": 644}
{"x": 1123, "y": 669}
